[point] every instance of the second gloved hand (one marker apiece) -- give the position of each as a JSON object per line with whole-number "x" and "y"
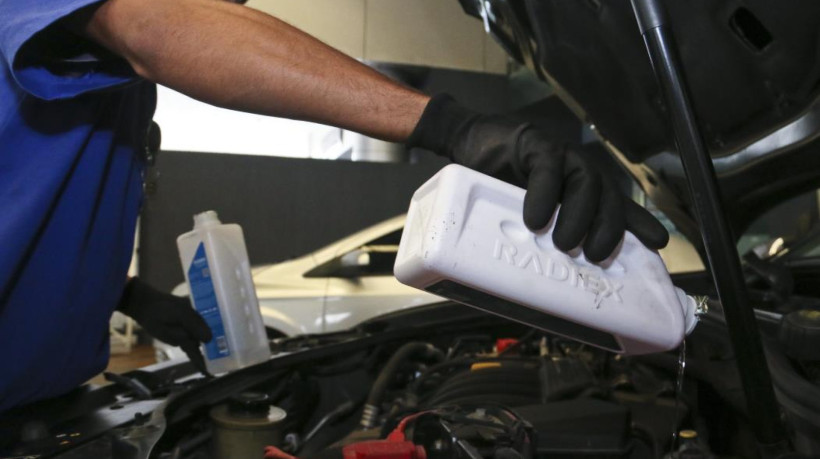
{"x": 593, "y": 210}
{"x": 168, "y": 318}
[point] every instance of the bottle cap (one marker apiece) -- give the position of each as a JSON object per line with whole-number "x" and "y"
{"x": 249, "y": 404}
{"x": 690, "y": 311}
{"x": 688, "y": 434}
{"x": 209, "y": 217}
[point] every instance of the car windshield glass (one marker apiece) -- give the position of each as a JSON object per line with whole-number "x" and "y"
{"x": 680, "y": 256}
{"x": 791, "y": 227}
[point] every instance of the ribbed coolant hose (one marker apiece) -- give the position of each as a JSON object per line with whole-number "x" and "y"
{"x": 410, "y": 350}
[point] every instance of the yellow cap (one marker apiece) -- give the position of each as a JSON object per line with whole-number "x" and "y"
{"x": 688, "y": 434}
{"x": 484, "y": 365}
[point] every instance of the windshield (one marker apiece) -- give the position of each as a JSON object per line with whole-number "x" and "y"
{"x": 680, "y": 256}
{"x": 791, "y": 227}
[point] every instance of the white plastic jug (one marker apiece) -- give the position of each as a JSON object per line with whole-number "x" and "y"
{"x": 465, "y": 240}
{"x": 215, "y": 262}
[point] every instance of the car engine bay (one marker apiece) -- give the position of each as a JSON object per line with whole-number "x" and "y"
{"x": 443, "y": 381}
{"x": 463, "y": 396}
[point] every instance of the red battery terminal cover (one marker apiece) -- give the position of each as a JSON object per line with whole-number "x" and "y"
{"x": 501, "y": 344}
{"x": 384, "y": 449}
{"x": 272, "y": 452}
{"x": 395, "y": 446}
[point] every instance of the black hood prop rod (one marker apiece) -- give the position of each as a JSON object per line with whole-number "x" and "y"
{"x": 764, "y": 414}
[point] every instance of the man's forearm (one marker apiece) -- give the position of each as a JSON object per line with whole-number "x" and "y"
{"x": 243, "y": 59}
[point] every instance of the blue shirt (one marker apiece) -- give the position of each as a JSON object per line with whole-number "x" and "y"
{"x": 72, "y": 128}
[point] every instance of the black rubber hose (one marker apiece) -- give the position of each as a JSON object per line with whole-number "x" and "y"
{"x": 722, "y": 376}
{"x": 490, "y": 383}
{"x": 388, "y": 373}
{"x": 793, "y": 386}
{"x": 344, "y": 409}
{"x": 463, "y": 362}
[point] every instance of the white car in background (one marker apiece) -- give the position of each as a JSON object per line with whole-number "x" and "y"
{"x": 339, "y": 286}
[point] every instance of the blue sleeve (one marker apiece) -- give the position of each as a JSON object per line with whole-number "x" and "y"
{"x": 46, "y": 60}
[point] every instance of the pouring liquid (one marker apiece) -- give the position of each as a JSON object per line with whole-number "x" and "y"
{"x": 678, "y": 394}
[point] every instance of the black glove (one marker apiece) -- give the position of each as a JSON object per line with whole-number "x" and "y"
{"x": 166, "y": 317}
{"x": 593, "y": 210}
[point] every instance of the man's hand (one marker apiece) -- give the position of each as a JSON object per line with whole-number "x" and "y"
{"x": 166, "y": 317}
{"x": 593, "y": 210}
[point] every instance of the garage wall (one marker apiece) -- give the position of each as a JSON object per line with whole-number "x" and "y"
{"x": 435, "y": 33}
{"x": 287, "y": 207}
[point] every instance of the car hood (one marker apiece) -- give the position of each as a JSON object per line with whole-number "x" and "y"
{"x": 752, "y": 68}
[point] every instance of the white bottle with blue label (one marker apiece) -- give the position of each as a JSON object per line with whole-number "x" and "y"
{"x": 215, "y": 262}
